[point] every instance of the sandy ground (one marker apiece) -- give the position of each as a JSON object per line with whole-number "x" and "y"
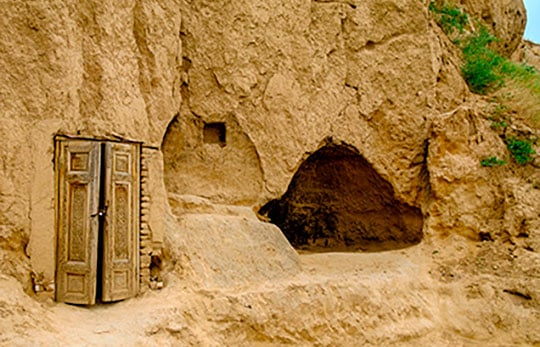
{"x": 422, "y": 295}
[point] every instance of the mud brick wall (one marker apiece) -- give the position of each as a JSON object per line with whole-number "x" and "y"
{"x": 145, "y": 248}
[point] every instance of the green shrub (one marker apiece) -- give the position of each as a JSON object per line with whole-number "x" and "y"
{"x": 500, "y": 117}
{"x": 499, "y": 125}
{"x": 449, "y": 16}
{"x": 495, "y": 125}
{"x": 492, "y": 161}
{"x": 521, "y": 150}
{"x": 483, "y": 67}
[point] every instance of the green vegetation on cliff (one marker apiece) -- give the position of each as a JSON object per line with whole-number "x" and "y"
{"x": 515, "y": 86}
{"x": 484, "y": 69}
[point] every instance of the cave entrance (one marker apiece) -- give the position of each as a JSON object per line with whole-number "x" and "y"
{"x": 338, "y": 202}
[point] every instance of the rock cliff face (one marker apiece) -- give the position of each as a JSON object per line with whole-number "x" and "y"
{"x": 294, "y": 74}
{"x": 529, "y": 52}
{"x": 280, "y": 77}
{"x": 233, "y": 101}
{"x": 506, "y": 19}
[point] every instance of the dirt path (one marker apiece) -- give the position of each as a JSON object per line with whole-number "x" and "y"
{"x": 388, "y": 298}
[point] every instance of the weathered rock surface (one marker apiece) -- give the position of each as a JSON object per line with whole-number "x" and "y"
{"x": 295, "y": 73}
{"x": 472, "y": 200}
{"x": 506, "y": 19}
{"x": 528, "y": 52}
{"x": 89, "y": 70}
{"x": 469, "y": 199}
{"x": 225, "y": 170}
{"x": 224, "y": 246}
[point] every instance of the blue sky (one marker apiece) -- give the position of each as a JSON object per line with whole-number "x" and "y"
{"x": 532, "y": 31}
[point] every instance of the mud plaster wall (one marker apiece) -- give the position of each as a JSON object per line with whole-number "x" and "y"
{"x": 92, "y": 69}
{"x": 153, "y": 203}
{"x": 296, "y": 72}
{"x": 224, "y": 172}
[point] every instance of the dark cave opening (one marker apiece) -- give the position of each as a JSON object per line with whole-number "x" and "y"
{"x": 336, "y": 201}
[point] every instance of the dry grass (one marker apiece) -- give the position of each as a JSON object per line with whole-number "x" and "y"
{"x": 522, "y": 95}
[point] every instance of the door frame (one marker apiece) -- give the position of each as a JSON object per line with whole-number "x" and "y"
{"x": 135, "y": 212}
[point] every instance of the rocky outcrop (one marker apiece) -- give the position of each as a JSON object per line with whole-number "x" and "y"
{"x": 467, "y": 198}
{"x": 506, "y": 19}
{"x": 529, "y": 53}
{"x": 230, "y": 101}
{"x": 295, "y": 73}
{"x": 281, "y": 77}
{"x": 221, "y": 246}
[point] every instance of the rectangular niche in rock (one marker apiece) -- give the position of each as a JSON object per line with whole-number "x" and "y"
{"x": 97, "y": 220}
{"x": 215, "y": 133}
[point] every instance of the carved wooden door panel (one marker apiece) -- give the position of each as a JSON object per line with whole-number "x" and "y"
{"x": 120, "y": 231}
{"x": 77, "y": 222}
{"x": 97, "y": 221}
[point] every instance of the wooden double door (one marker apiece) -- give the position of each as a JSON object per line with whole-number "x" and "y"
{"x": 97, "y": 220}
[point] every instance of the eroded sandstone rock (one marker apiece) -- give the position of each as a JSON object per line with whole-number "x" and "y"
{"x": 506, "y": 19}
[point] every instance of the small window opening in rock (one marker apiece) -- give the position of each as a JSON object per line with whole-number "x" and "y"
{"x": 215, "y": 133}
{"x": 337, "y": 201}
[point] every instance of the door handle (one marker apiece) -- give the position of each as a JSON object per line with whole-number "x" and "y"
{"x": 102, "y": 212}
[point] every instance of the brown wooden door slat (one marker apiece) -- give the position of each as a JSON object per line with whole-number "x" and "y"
{"x": 77, "y": 165}
{"x": 121, "y": 227}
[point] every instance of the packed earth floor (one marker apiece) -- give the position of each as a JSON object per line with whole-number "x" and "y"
{"x": 448, "y": 293}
